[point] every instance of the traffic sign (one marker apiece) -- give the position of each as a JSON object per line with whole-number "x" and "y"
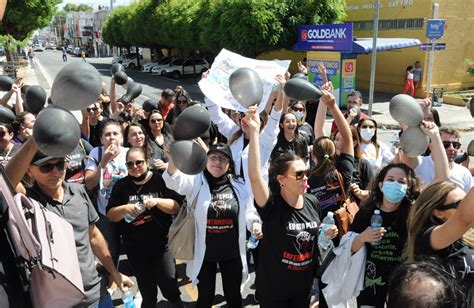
{"x": 429, "y": 46}
{"x": 435, "y": 28}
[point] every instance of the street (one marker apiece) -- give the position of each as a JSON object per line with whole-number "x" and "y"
{"x": 50, "y": 62}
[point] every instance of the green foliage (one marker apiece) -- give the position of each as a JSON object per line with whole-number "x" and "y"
{"x": 248, "y": 27}
{"x": 71, "y": 7}
{"x": 22, "y": 17}
{"x": 84, "y": 8}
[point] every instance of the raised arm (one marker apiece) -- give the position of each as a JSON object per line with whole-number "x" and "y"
{"x": 85, "y": 128}
{"x": 226, "y": 126}
{"x": 438, "y": 153}
{"x": 259, "y": 187}
{"x": 19, "y": 100}
{"x": 319, "y": 120}
{"x": 20, "y": 162}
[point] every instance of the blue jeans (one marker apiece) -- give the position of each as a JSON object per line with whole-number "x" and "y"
{"x": 106, "y": 302}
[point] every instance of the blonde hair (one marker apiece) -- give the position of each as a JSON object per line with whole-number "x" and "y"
{"x": 421, "y": 216}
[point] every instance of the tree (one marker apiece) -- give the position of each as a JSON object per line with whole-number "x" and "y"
{"x": 70, "y": 7}
{"x": 22, "y": 17}
{"x": 112, "y": 29}
{"x": 84, "y": 8}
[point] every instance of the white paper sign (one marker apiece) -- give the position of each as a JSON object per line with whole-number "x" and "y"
{"x": 216, "y": 85}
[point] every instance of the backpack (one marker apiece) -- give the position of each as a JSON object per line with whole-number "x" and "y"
{"x": 45, "y": 248}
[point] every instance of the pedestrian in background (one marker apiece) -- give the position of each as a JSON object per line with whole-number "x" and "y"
{"x": 83, "y": 56}
{"x": 417, "y": 75}
{"x": 409, "y": 85}
{"x": 63, "y": 49}
{"x": 31, "y": 56}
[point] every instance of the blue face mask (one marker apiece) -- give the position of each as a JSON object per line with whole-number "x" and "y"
{"x": 393, "y": 191}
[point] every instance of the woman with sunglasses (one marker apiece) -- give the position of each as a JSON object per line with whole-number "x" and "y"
{"x": 7, "y": 147}
{"x": 159, "y": 137}
{"x": 289, "y": 138}
{"x": 222, "y": 214}
{"x": 105, "y": 166}
{"x": 182, "y": 100}
{"x": 376, "y": 152}
{"x": 438, "y": 221}
{"x": 93, "y": 123}
{"x": 304, "y": 128}
{"x": 143, "y": 199}
{"x": 290, "y": 219}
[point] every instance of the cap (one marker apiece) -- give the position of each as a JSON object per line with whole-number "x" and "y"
{"x": 149, "y": 105}
{"x": 221, "y": 148}
{"x": 40, "y": 158}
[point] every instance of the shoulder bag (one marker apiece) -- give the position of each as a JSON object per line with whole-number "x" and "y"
{"x": 344, "y": 216}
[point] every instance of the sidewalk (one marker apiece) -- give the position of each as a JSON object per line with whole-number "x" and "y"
{"x": 452, "y": 116}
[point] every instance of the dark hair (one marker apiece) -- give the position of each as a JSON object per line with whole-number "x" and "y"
{"x": 146, "y": 144}
{"x": 375, "y": 197}
{"x": 24, "y": 89}
{"x": 324, "y": 150}
{"x": 137, "y": 149}
{"x": 374, "y": 138}
{"x": 163, "y": 130}
{"x": 355, "y": 93}
{"x": 436, "y": 118}
{"x": 107, "y": 124}
{"x": 19, "y": 119}
{"x": 298, "y": 143}
{"x": 280, "y": 166}
{"x": 237, "y": 134}
{"x": 167, "y": 93}
{"x": 355, "y": 141}
{"x": 8, "y": 126}
{"x": 409, "y": 68}
{"x": 423, "y": 284}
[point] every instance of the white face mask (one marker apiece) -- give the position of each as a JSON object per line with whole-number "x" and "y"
{"x": 299, "y": 115}
{"x": 367, "y": 133}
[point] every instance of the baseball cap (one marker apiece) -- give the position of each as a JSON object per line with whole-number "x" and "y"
{"x": 221, "y": 148}
{"x": 40, "y": 158}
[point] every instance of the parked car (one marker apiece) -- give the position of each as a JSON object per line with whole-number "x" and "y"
{"x": 70, "y": 48}
{"x": 50, "y": 46}
{"x": 186, "y": 67}
{"x": 149, "y": 66}
{"x": 38, "y": 48}
{"x": 130, "y": 63}
{"x": 2, "y": 51}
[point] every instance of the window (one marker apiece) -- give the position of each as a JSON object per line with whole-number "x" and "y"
{"x": 390, "y": 24}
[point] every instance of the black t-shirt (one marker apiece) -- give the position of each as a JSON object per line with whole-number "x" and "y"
{"x": 222, "y": 231}
{"x": 299, "y": 147}
{"x": 362, "y": 173}
{"x": 76, "y": 164}
{"x": 147, "y": 234}
{"x": 306, "y": 131}
{"x": 328, "y": 191}
{"x": 6, "y": 155}
{"x": 458, "y": 259}
{"x": 381, "y": 259}
{"x": 288, "y": 247}
{"x": 94, "y": 132}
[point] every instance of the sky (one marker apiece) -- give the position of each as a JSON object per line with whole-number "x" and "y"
{"x": 95, "y": 3}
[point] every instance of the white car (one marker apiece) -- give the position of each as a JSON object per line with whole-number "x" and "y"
{"x": 177, "y": 69}
{"x": 146, "y": 68}
{"x": 38, "y": 48}
{"x": 156, "y": 70}
{"x": 130, "y": 63}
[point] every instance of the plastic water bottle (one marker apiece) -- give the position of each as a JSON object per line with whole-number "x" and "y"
{"x": 253, "y": 240}
{"x": 375, "y": 223}
{"x": 127, "y": 298}
{"x": 129, "y": 218}
{"x": 323, "y": 241}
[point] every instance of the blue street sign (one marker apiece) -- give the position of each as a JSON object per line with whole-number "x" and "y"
{"x": 435, "y": 28}
{"x": 429, "y": 46}
{"x": 332, "y": 37}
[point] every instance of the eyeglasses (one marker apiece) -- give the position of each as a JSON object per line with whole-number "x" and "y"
{"x": 2, "y": 133}
{"x": 455, "y": 144}
{"x": 182, "y": 101}
{"x": 154, "y": 121}
{"x": 133, "y": 164}
{"x": 47, "y": 168}
{"x": 449, "y": 206}
{"x": 299, "y": 175}
{"x": 221, "y": 159}
{"x": 367, "y": 126}
{"x": 94, "y": 109}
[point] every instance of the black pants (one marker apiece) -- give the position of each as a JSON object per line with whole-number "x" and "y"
{"x": 231, "y": 272}
{"x": 112, "y": 236}
{"x": 153, "y": 271}
{"x": 300, "y": 301}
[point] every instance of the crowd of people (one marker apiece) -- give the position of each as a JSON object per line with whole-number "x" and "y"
{"x": 274, "y": 175}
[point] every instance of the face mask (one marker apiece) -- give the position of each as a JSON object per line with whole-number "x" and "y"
{"x": 367, "y": 133}
{"x": 138, "y": 178}
{"x": 393, "y": 191}
{"x": 299, "y": 115}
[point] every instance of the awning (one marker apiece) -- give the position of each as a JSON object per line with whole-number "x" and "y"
{"x": 364, "y": 45}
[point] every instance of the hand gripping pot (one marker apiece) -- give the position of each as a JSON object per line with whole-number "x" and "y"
{"x": 44, "y": 242}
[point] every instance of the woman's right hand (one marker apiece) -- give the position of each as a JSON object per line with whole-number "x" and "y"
{"x": 252, "y": 118}
{"x": 372, "y": 234}
{"x": 111, "y": 151}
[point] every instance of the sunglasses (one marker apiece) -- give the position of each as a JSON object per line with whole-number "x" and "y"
{"x": 299, "y": 175}
{"x": 455, "y": 144}
{"x": 133, "y": 164}
{"x": 2, "y": 133}
{"x": 154, "y": 121}
{"x": 92, "y": 109}
{"x": 449, "y": 206}
{"x": 182, "y": 101}
{"x": 221, "y": 159}
{"x": 47, "y": 168}
{"x": 367, "y": 126}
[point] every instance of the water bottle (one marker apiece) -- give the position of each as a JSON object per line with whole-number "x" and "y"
{"x": 323, "y": 241}
{"x": 253, "y": 240}
{"x": 127, "y": 298}
{"x": 129, "y": 218}
{"x": 375, "y": 223}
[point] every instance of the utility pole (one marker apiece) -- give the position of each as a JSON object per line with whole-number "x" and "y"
{"x": 374, "y": 55}
{"x": 431, "y": 57}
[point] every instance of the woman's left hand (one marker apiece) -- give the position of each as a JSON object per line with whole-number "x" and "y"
{"x": 257, "y": 230}
{"x": 151, "y": 202}
{"x": 331, "y": 232}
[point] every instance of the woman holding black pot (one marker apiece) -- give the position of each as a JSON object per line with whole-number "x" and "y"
{"x": 223, "y": 211}
{"x": 142, "y": 206}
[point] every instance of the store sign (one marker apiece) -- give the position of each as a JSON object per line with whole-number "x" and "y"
{"x": 435, "y": 28}
{"x": 429, "y": 46}
{"x": 332, "y": 37}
